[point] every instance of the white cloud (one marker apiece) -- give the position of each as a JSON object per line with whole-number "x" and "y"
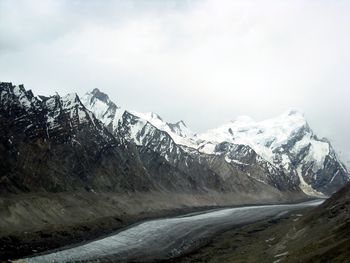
{"x": 203, "y": 61}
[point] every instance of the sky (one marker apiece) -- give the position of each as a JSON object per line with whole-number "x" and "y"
{"x": 202, "y": 61}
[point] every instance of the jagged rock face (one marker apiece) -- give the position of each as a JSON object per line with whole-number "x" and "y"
{"x": 281, "y": 152}
{"x": 145, "y": 130}
{"x": 255, "y": 166}
{"x": 199, "y": 168}
{"x": 180, "y": 129}
{"x": 178, "y": 145}
{"x": 62, "y": 132}
{"x": 104, "y": 109}
{"x": 55, "y": 144}
{"x": 132, "y": 125}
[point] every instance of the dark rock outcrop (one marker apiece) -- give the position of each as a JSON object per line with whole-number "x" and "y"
{"x": 55, "y": 144}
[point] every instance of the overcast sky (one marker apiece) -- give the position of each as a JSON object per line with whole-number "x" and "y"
{"x": 204, "y": 61}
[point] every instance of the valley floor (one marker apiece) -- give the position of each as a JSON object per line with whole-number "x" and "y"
{"x": 303, "y": 235}
{"x": 169, "y": 237}
{"x": 31, "y": 223}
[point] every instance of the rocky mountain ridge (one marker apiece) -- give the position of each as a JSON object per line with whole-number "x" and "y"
{"x": 178, "y": 148}
{"x": 56, "y": 144}
{"x": 285, "y": 147}
{"x": 281, "y": 154}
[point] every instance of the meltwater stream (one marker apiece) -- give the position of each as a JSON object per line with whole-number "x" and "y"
{"x": 166, "y": 238}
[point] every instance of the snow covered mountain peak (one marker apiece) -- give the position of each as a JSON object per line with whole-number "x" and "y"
{"x": 284, "y": 124}
{"x": 181, "y": 129}
{"x": 103, "y": 108}
{"x": 263, "y": 136}
{"x": 25, "y": 98}
{"x": 97, "y": 94}
{"x": 181, "y": 123}
{"x": 151, "y": 117}
{"x": 71, "y": 99}
{"x": 178, "y": 131}
{"x": 285, "y": 143}
{"x": 282, "y": 152}
{"x": 112, "y": 116}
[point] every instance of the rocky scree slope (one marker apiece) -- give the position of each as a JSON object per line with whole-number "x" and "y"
{"x": 324, "y": 234}
{"x": 283, "y": 152}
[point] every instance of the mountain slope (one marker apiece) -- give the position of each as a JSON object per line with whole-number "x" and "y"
{"x": 55, "y": 144}
{"x": 285, "y": 149}
{"x": 323, "y": 235}
{"x": 178, "y": 145}
{"x": 288, "y": 143}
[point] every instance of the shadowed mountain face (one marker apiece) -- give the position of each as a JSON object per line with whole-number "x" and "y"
{"x": 55, "y": 144}
{"x": 282, "y": 152}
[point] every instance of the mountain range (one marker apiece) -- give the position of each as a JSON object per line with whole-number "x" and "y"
{"x": 134, "y": 151}
{"x": 281, "y": 153}
{"x": 76, "y": 164}
{"x": 285, "y": 148}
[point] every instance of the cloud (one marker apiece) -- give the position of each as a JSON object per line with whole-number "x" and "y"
{"x": 202, "y": 61}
